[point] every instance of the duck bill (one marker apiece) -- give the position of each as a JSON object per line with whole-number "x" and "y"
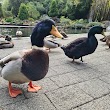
{"x": 103, "y": 34}
{"x": 55, "y": 32}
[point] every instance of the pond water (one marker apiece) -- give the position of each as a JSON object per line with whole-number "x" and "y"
{"x": 12, "y": 31}
{"x": 28, "y": 30}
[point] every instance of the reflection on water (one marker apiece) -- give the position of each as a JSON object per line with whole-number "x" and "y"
{"x": 28, "y": 30}
{"x": 12, "y": 31}
{"x": 76, "y": 31}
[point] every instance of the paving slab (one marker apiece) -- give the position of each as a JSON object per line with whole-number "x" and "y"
{"x": 98, "y": 104}
{"x": 40, "y": 102}
{"x": 63, "y": 69}
{"x": 3, "y": 83}
{"x": 95, "y": 88}
{"x": 105, "y": 78}
{"x": 103, "y": 68}
{"x": 20, "y": 105}
{"x": 66, "y": 79}
{"x": 51, "y": 72}
{"x": 6, "y": 99}
{"x": 67, "y": 86}
{"x": 68, "y": 97}
{"x": 46, "y": 84}
{"x": 87, "y": 74}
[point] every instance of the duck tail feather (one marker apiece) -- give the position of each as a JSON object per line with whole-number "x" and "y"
{"x": 63, "y": 47}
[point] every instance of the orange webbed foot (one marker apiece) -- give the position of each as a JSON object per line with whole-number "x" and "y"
{"x": 33, "y": 88}
{"x": 14, "y": 92}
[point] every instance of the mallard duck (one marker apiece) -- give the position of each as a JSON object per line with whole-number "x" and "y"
{"x": 19, "y": 33}
{"x": 108, "y": 40}
{"x": 83, "y": 46}
{"x": 24, "y": 66}
{"x": 43, "y": 29}
{"x": 8, "y": 38}
{"x": 64, "y": 34}
{"x": 103, "y": 39}
{"x": 7, "y": 42}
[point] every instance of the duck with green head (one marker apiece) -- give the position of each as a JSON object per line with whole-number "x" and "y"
{"x": 30, "y": 64}
{"x": 43, "y": 29}
{"x": 83, "y": 46}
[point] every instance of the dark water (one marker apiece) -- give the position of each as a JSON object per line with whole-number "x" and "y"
{"x": 28, "y": 30}
{"x": 12, "y": 31}
{"x": 76, "y": 31}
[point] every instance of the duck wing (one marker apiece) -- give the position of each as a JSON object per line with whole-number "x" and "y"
{"x": 50, "y": 44}
{"x": 79, "y": 50}
{"x": 76, "y": 42}
{"x": 76, "y": 49}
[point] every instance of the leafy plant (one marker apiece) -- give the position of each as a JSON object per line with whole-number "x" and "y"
{"x": 53, "y": 10}
{"x": 94, "y": 24}
{"x": 9, "y": 19}
{"x": 32, "y": 11}
{"x": 23, "y": 12}
{"x": 65, "y": 21}
{"x": 44, "y": 16}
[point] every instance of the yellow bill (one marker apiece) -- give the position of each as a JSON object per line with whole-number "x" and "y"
{"x": 55, "y": 32}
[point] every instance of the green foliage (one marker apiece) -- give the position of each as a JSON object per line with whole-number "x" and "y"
{"x": 53, "y": 10}
{"x": 40, "y": 8}
{"x": 95, "y": 10}
{"x": 1, "y": 13}
{"x": 77, "y": 9}
{"x": 43, "y": 17}
{"x": 46, "y": 5}
{"x": 23, "y": 12}
{"x": 82, "y": 9}
{"x": 100, "y": 10}
{"x": 61, "y": 7}
{"x": 94, "y": 24}
{"x": 30, "y": 19}
{"x": 32, "y": 11}
{"x": 9, "y": 19}
{"x": 17, "y": 21}
{"x": 81, "y": 21}
{"x": 14, "y": 6}
{"x": 5, "y": 6}
{"x": 70, "y": 9}
{"x": 65, "y": 21}
{"x": 78, "y": 24}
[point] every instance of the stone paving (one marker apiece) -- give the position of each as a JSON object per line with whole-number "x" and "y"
{"x": 67, "y": 86}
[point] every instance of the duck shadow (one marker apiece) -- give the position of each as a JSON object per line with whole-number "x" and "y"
{"x": 54, "y": 52}
{"x": 78, "y": 62}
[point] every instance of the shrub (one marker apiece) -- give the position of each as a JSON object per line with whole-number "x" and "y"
{"x": 30, "y": 19}
{"x": 32, "y": 11}
{"x": 23, "y": 12}
{"x": 9, "y": 19}
{"x": 44, "y": 16}
{"x": 65, "y": 21}
{"x": 94, "y": 24}
{"x": 81, "y": 21}
{"x": 79, "y": 26}
{"x": 17, "y": 21}
{"x": 53, "y": 10}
